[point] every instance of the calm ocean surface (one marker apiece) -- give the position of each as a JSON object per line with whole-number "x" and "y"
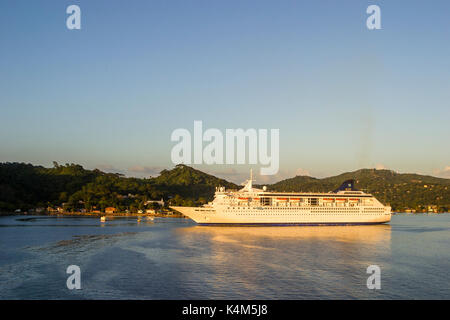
{"x": 172, "y": 258}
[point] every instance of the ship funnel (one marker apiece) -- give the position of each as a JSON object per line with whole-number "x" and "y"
{"x": 347, "y": 185}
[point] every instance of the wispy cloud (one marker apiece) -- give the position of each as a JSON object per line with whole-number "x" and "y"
{"x": 230, "y": 172}
{"x": 283, "y": 174}
{"x": 380, "y": 166}
{"x": 109, "y": 168}
{"x": 145, "y": 170}
{"x": 239, "y": 176}
{"x": 302, "y": 172}
{"x": 442, "y": 173}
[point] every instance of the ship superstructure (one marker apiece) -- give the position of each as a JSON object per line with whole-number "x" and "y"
{"x": 253, "y": 206}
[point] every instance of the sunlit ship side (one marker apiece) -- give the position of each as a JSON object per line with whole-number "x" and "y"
{"x": 252, "y": 206}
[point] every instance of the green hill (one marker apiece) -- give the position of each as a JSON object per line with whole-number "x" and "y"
{"x": 25, "y": 186}
{"x": 188, "y": 186}
{"x": 183, "y": 175}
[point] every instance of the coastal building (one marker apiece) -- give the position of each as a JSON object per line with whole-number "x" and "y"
{"x": 160, "y": 202}
{"x": 110, "y": 210}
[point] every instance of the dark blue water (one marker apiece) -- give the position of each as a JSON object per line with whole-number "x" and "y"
{"x": 172, "y": 258}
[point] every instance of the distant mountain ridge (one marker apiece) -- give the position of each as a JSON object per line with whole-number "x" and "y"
{"x": 25, "y": 186}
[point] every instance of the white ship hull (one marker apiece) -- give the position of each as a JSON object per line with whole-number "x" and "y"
{"x": 287, "y": 216}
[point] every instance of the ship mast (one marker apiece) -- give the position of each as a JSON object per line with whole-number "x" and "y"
{"x": 249, "y": 183}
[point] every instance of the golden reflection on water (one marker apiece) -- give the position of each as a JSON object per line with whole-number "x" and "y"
{"x": 367, "y": 234}
{"x": 250, "y": 261}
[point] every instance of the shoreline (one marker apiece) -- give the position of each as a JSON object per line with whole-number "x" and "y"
{"x": 161, "y": 215}
{"x": 93, "y": 215}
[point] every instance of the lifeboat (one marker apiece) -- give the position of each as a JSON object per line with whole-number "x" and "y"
{"x": 340, "y": 200}
{"x": 295, "y": 199}
{"x": 327, "y": 199}
{"x": 243, "y": 199}
{"x": 282, "y": 199}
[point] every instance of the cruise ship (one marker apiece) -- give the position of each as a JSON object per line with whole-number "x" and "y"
{"x": 253, "y": 206}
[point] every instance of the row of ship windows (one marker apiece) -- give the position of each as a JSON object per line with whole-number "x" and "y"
{"x": 314, "y": 209}
{"x": 306, "y": 214}
{"x": 309, "y": 205}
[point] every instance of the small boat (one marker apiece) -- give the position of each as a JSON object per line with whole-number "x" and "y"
{"x": 102, "y": 219}
{"x": 150, "y": 218}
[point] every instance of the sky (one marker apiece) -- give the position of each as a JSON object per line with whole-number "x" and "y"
{"x": 344, "y": 97}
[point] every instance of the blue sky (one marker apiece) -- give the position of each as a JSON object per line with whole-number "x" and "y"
{"x": 344, "y": 97}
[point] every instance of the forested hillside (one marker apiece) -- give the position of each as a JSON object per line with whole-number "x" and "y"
{"x": 25, "y": 186}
